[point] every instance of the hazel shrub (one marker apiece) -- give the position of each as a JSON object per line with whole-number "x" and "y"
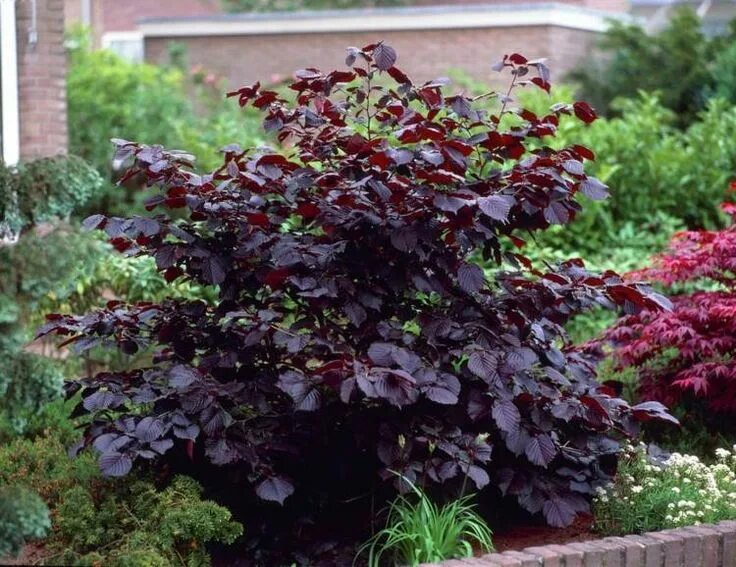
{"x": 651, "y": 493}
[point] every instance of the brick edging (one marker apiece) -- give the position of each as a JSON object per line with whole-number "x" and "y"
{"x": 712, "y": 545}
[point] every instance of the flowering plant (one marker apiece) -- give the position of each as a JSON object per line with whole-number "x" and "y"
{"x": 680, "y": 490}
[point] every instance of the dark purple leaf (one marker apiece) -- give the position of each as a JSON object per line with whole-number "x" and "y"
{"x": 593, "y": 189}
{"x": 540, "y": 450}
{"x": 471, "y": 277}
{"x": 115, "y": 464}
{"x": 497, "y": 207}
{"x": 384, "y": 56}
{"x": 275, "y": 489}
{"x": 506, "y": 415}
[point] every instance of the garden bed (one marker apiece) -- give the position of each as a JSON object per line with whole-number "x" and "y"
{"x": 711, "y": 545}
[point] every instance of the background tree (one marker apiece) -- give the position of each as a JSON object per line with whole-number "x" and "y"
{"x": 677, "y": 62}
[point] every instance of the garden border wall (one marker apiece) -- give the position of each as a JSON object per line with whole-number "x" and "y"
{"x": 712, "y": 545}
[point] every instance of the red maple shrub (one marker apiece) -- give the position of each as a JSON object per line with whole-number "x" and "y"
{"x": 355, "y": 336}
{"x": 685, "y": 356}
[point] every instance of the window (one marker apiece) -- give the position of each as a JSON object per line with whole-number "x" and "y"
{"x": 128, "y": 45}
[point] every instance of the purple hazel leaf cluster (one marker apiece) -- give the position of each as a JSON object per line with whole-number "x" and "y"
{"x": 369, "y": 309}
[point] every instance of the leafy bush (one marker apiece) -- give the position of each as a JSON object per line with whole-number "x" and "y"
{"x": 658, "y": 178}
{"x": 685, "y": 356}
{"x": 677, "y": 62}
{"x": 110, "y": 97}
{"x": 42, "y": 190}
{"x": 27, "y": 383}
{"x": 654, "y": 169}
{"x": 422, "y": 532}
{"x": 34, "y": 263}
{"x": 23, "y": 516}
{"x": 353, "y": 334}
{"x": 149, "y": 527}
{"x": 669, "y": 492}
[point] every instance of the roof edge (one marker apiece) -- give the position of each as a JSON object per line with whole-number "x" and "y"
{"x": 385, "y": 19}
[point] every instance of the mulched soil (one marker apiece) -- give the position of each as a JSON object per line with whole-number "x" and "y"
{"x": 515, "y": 538}
{"x": 519, "y": 537}
{"x": 31, "y": 554}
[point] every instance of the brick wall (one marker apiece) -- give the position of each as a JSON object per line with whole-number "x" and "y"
{"x": 697, "y": 546}
{"x": 122, "y": 15}
{"x": 41, "y": 80}
{"x": 423, "y": 54}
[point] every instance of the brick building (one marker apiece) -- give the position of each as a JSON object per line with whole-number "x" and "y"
{"x": 32, "y": 79}
{"x": 114, "y": 22}
{"x": 430, "y": 40}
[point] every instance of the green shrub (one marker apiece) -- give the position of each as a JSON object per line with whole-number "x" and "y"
{"x": 109, "y": 97}
{"x": 23, "y": 516}
{"x": 121, "y": 524}
{"x": 676, "y": 62}
{"x": 27, "y": 384}
{"x": 419, "y": 531}
{"x": 681, "y": 491}
{"x": 149, "y": 527}
{"x": 43, "y": 190}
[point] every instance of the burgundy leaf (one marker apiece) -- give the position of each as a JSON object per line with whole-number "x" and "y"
{"x": 497, "y": 207}
{"x": 471, "y": 277}
{"x": 275, "y": 489}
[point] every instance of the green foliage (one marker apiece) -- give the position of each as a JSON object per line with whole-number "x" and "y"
{"x": 42, "y": 190}
{"x": 27, "y": 383}
{"x": 681, "y": 491}
{"x": 44, "y": 266}
{"x": 122, "y": 524}
{"x": 420, "y": 531}
{"x": 725, "y": 65}
{"x": 23, "y": 516}
{"x": 149, "y": 527}
{"x": 654, "y": 169}
{"x": 109, "y": 97}
{"x": 43, "y": 466}
{"x": 676, "y": 62}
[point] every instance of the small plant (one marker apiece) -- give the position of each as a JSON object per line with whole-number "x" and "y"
{"x": 650, "y": 494}
{"x": 139, "y": 525}
{"x": 420, "y": 531}
{"x": 23, "y": 516}
{"x": 97, "y": 521}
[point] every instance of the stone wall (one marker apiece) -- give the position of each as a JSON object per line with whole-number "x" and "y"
{"x": 698, "y": 546}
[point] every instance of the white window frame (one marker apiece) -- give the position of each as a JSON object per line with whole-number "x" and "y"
{"x": 9, "y": 111}
{"x": 109, "y": 38}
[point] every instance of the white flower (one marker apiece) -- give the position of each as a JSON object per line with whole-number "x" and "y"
{"x": 636, "y": 489}
{"x": 676, "y": 490}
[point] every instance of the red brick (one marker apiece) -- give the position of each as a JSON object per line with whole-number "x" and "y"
{"x": 672, "y": 548}
{"x": 41, "y": 80}
{"x": 246, "y": 59}
{"x": 653, "y": 556}
{"x": 549, "y": 557}
{"x": 711, "y": 544}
